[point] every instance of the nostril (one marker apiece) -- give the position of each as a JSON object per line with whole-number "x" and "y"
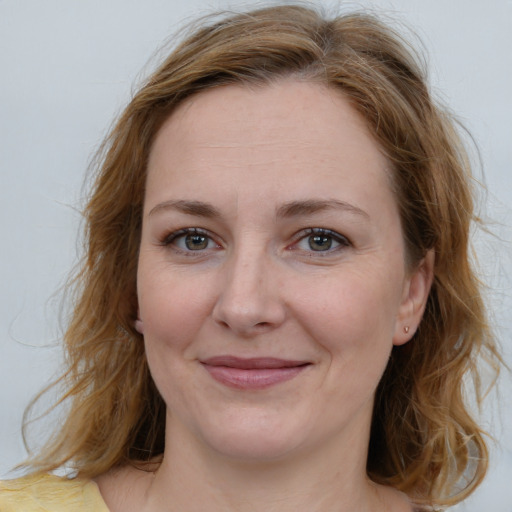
{"x": 258, "y": 325}
{"x": 222, "y": 323}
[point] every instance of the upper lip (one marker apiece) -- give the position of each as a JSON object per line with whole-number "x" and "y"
{"x": 253, "y": 363}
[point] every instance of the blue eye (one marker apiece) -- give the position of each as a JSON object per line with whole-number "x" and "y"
{"x": 321, "y": 240}
{"x": 190, "y": 239}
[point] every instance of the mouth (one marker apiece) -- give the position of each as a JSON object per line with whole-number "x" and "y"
{"x": 253, "y": 373}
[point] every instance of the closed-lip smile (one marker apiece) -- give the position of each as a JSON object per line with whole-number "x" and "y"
{"x": 252, "y": 373}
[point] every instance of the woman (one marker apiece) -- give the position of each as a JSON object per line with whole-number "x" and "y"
{"x": 276, "y": 310}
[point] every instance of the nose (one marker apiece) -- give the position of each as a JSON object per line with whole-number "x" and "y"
{"x": 249, "y": 300}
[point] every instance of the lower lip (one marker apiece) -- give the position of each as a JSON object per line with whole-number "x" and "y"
{"x": 258, "y": 378}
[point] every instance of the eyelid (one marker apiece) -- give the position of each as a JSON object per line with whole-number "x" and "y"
{"x": 169, "y": 238}
{"x": 338, "y": 237}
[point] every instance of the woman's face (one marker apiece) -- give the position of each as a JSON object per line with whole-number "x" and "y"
{"x": 271, "y": 279}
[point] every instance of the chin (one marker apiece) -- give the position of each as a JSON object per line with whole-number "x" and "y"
{"x": 253, "y": 446}
{"x": 248, "y": 435}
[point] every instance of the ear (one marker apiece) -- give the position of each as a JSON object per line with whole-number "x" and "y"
{"x": 414, "y": 299}
{"x": 139, "y": 326}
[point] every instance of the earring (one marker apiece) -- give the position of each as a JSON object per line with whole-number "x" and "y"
{"x": 406, "y": 329}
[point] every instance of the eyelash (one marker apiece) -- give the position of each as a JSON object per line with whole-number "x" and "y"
{"x": 306, "y": 234}
{"x": 302, "y": 236}
{"x": 172, "y": 238}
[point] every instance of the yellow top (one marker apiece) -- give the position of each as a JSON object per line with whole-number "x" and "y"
{"x": 49, "y": 493}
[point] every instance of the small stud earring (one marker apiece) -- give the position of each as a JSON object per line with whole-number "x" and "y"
{"x": 406, "y": 329}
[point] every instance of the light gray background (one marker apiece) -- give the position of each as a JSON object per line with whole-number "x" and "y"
{"x": 67, "y": 68}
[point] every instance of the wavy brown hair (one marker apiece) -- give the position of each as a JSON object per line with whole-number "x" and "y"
{"x": 424, "y": 440}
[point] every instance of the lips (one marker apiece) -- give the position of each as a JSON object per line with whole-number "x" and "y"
{"x": 252, "y": 373}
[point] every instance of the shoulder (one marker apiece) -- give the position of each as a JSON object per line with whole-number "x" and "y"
{"x": 49, "y": 493}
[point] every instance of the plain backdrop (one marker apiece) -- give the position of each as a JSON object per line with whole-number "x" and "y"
{"x": 67, "y": 68}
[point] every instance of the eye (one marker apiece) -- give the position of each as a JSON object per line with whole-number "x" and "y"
{"x": 321, "y": 240}
{"x": 190, "y": 239}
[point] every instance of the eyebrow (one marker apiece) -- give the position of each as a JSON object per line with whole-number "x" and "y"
{"x": 287, "y": 210}
{"x": 197, "y": 208}
{"x": 308, "y": 207}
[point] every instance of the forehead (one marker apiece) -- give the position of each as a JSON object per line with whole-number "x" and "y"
{"x": 261, "y": 110}
{"x": 274, "y": 134}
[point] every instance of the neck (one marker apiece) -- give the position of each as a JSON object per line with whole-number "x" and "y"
{"x": 318, "y": 479}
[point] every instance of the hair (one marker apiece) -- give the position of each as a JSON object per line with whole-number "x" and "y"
{"x": 424, "y": 440}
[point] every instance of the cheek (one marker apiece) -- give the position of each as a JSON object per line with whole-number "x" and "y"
{"x": 172, "y": 307}
{"x": 350, "y": 319}
{"x": 352, "y": 316}
{"x": 173, "y": 311}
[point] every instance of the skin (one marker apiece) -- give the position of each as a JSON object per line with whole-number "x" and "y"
{"x": 253, "y": 169}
